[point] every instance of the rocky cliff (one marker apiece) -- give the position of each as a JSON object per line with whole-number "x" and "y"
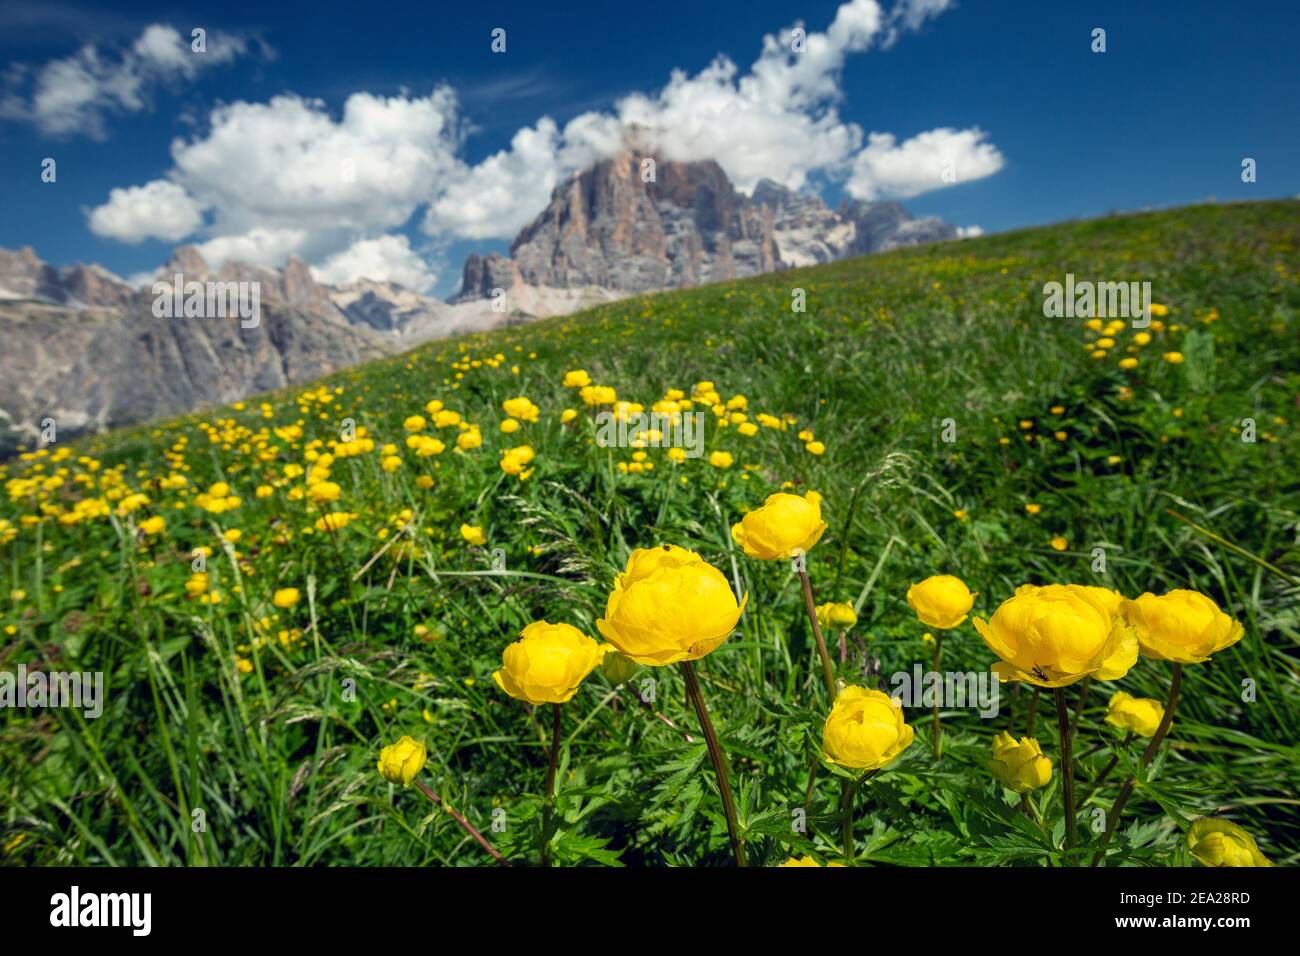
{"x": 616, "y": 227}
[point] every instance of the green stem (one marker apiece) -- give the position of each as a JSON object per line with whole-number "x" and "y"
{"x": 846, "y": 818}
{"x": 1067, "y": 771}
{"x": 549, "y": 806}
{"x": 1127, "y": 790}
{"x": 828, "y": 669}
{"x": 718, "y": 758}
{"x": 937, "y": 732}
{"x": 464, "y": 823}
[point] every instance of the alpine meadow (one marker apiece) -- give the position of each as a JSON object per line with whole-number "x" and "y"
{"x": 950, "y": 582}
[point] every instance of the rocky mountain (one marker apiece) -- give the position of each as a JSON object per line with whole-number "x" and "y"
{"x": 85, "y": 348}
{"x": 609, "y": 228}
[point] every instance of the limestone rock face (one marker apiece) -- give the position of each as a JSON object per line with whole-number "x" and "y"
{"x": 609, "y": 227}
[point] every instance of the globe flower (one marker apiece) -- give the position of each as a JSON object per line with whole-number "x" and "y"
{"x": 285, "y": 597}
{"x": 941, "y": 601}
{"x": 1185, "y": 627}
{"x": 547, "y": 663}
{"x": 1139, "y": 715}
{"x": 473, "y": 534}
{"x": 804, "y": 861}
{"x": 521, "y": 408}
{"x": 784, "y": 524}
{"x": 1216, "y": 842}
{"x": 400, "y": 762}
{"x": 669, "y": 605}
{"x": 1055, "y": 635}
{"x": 576, "y": 378}
{"x": 1019, "y": 766}
{"x": 617, "y": 668}
{"x": 838, "y": 615}
{"x": 865, "y": 730}
{"x": 154, "y": 525}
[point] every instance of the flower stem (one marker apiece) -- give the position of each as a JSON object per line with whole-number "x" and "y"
{"x": 1126, "y": 791}
{"x": 1067, "y": 771}
{"x": 936, "y": 735}
{"x": 548, "y": 807}
{"x": 464, "y": 824}
{"x": 718, "y": 758}
{"x": 828, "y": 670}
{"x": 846, "y": 818}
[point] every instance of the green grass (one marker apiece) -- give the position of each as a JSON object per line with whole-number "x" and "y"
{"x": 282, "y": 766}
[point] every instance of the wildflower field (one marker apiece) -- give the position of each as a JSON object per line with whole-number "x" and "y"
{"x": 416, "y": 614}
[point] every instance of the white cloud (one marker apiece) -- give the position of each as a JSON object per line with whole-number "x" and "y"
{"x": 258, "y": 246}
{"x": 386, "y": 258}
{"x": 500, "y": 195}
{"x": 780, "y": 120}
{"x": 75, "y": 94}
{"x": 288, "y": 176}
{"x": 159, "y": 209}
{"x": 969, "y": 232}
{"x": 887, "y": 169}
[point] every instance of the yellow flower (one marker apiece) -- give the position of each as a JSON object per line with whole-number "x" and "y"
{"x": 155, "y": 525}
{"x": 1055, "y": 635}
{"x": 334, "y": 521}
{"x": 1128, "y": 363}
{"x": 576, "y": 378}
{"x": 509, "y": 426}
{"x": 784, "y": 524}
{"x": 815, "y": 448}
{"x": 547, "y": 663}
{"x": 617, "y": 668}
{"x": 515, "y": 461}
{"x": 324, "y": 492}
{"x": 469, "y": 439}
{"x": 1033, "y": 509}
{"x": 400, "y": 762}
{"x": 285, "y": 597}
{"x": 414, "y": 423}
{"x": 941, "y": 600}
{"x": 804, "y": 861}
{"x": 837, "y": 615}
{"x": 1173, "y": 358}
{"x": 865, "y": 730}
{"x": 669, "y": 605}
{"x": 1216, "y": 842}
{"x": 473, "y": 534}
{"x": 567, "y": 416}
{"x": 1019, "y": 766}
{"x": 1181, "y": 626}
{"x": 521, "y": 408}
{"x": 1141, "y": 715}
{"x": 1059, "y": 543}
{"x": 721, "y": 459}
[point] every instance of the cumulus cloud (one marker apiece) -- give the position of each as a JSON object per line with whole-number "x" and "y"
{"x": 387, "y": 258}
{"x": 159, "y": 209}
{"x": 76, "y": 94}
{"x": 265, "y": 180}
{"x": 969, "y": 232}
{"x": 887, "y": 169}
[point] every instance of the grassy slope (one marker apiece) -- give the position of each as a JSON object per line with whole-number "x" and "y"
{"x": 889, "y": 347}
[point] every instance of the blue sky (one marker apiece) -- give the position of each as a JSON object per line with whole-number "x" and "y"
{"x": 1044, "y": 128}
